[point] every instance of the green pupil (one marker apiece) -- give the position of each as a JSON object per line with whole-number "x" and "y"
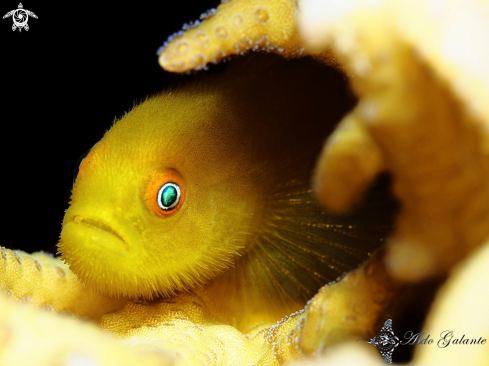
{"x": 168, "y": 196}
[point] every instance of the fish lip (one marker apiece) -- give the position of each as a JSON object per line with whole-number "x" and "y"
{"x": 79, "y": 219}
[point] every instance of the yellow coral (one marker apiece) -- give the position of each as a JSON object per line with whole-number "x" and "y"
{"x": 433, "y": 146}
{"x": 236, "y": 27}
{"x": 30, "y": 336}
{"x": 460, "y": 307}
{"x": 48, "y": 282}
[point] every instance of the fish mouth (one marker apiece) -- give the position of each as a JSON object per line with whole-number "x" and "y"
{"x": 96, "y": 225}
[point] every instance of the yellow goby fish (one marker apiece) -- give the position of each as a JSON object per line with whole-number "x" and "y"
{"x": 206, "y": 188}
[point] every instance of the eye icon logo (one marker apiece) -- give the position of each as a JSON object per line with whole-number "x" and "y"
{"x": 385, "y": 341}
{"x": 20, "y": 17}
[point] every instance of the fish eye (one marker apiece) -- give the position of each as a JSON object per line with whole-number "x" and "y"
{"x": 168, "y": 196}
{"x": 164, "y": 192}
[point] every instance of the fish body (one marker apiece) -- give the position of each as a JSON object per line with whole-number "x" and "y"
{"x": 232, "y": 154}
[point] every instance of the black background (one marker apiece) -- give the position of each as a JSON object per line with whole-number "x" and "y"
{"x": 63, "y": 82}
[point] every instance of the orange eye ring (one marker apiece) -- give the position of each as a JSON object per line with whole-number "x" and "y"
{"x": 165, "y": 192}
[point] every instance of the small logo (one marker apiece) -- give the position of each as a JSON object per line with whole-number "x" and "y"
{"x": 20, "y": 17}
{"x": 386, "y": 341}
